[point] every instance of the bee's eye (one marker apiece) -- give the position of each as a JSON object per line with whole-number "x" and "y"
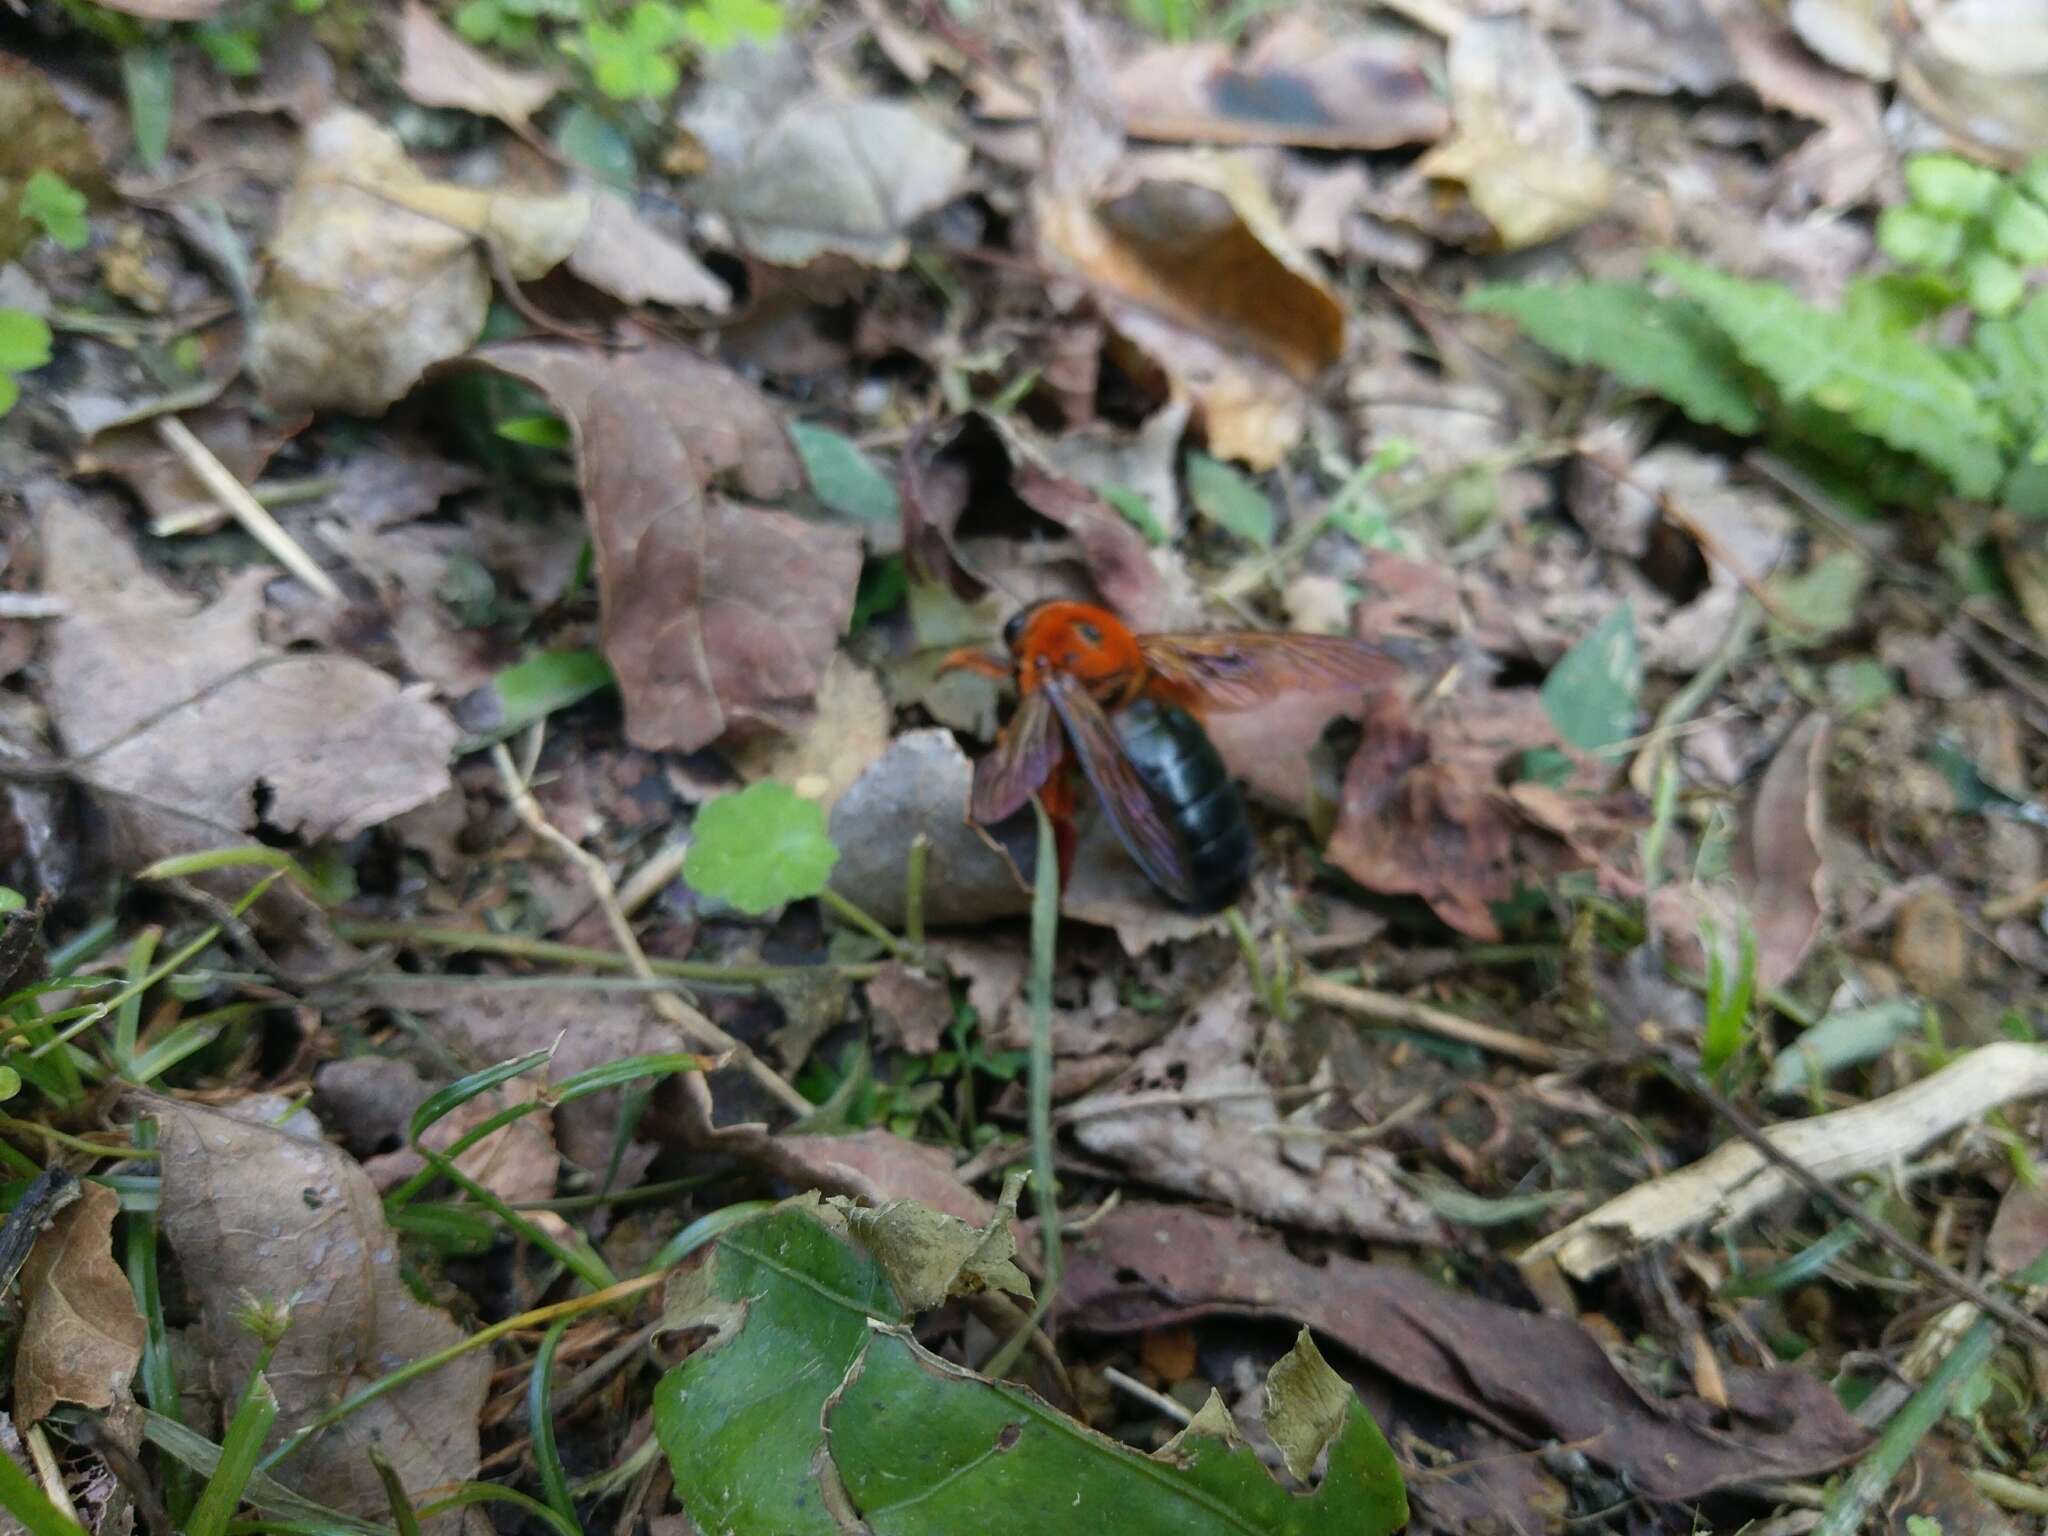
{"x": 1089, "y": 634}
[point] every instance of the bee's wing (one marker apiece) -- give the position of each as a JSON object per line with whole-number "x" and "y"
{"x": 1025, "y": 754}
{"x": 1150, "y": 839}
{"x": 1226, "y": 671}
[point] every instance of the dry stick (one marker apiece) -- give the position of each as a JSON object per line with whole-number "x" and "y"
{"x": 248, "y": 511}
{"x": 1911, "y": 1253}
{"x": 1385, "y": 1008}
{"x": 687, "y": 1019}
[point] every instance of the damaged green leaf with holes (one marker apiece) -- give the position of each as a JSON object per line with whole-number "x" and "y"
{"x": 810, "y": 1410}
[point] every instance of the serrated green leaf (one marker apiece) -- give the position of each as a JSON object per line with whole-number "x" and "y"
{"x": 1919, "y": 237}
{"x": 1951, "y": 185}
{"x": 812, "y": 1411}
{"x": 1666, "y": 347}
{"x": 24, "y": 341}
{"x": 1898, "y": 301}
{"x": 1227, "y": 498}
{"x": 759, "y": 848}
{"x": 51, "y": 201}
{"x": 1896, "y": 388}
{"x": 1591, "y": 693}
{"x": 2013, "y": 351}
{"x": 843, "y": 477}
{"x": 2019, "y": 226}
{"x": 1993, "y": 285}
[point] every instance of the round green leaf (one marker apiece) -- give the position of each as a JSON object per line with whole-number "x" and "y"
{"x": 1950, "y": 184}
{"x": 1993, "y": 285}
{"x": 24, "y": 341}
{"x": 10, "y": 1083}
{"x": 11, "y": 900}
{"x": 759, "y": 848}
{"x": 2019, "y": 227}
{"x": 1914, "y": 237}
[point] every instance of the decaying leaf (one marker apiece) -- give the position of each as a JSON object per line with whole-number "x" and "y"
{"x": 878, "y": 1167}
{"x": 800, "y": 172}
{"x": 438, "y": 69}
{"x": 1842, "y": 162}
{"x": 620, "y": 252}
{"x": 1640, "y": 47}
{"x": 912, "y": 1011}
{"x": 1224, "y": 1150}
{"x": 929, "y": 1255}
{"x": 1537, "y": 1378}
{"x": 1190, "y": 261}
{"x": 1295, "y": 85}
{"x": 250, "y": 1210}
{"x": 717, "y": 616}
{"x": 159, "y": 477}
{"x": 810, "y": 1408}
{"x": 196, "y": 731}
{"x": 81, "y": 1337}
{"x": 1526, "y": 148}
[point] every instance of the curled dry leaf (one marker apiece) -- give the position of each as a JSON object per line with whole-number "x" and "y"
{"x": 438, "y": 69}
{"x": 716, "y": 616}
{"x": 1526, "y": 147}
{"x": 251, "y": 1211}
{"x": 912, "y": 1010}
{"x": 81, "y": 1337}
{"x": 800, "y": 172}
{"x": 985, "y": 485}
{"x": 1296, "y": 85}
{"x": 1226, "y": 1151}
{"x": 195, "y": 730}
{"x": 1844, "y": 161}
{"x": 1189, "y": 260}
{"x": 1536, "y": 1378}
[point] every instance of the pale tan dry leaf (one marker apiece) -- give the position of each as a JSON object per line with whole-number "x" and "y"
{"x": 716, "y": 616}
{"x": 1527, "y": 146}
{"x": 1295, "y": 85}
{"x": 1225, "y": 1150}
{"x": 635, "y": 263}
{"x": 849, "y": 731}
{"x": 912, "y": 1011}
{"x": 198, "y": 732}
{"x": 438, "y": 69}
{"x": 251, "y": 1211}
{"x": 81, "y": 1336}
{"x": 799, "y": 172}
{"x": 1854, "y": 35}
{"x": 1845, "y": 160}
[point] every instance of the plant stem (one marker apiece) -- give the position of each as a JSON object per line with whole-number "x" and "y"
{"x": 913, "y": 890}
{"x": 853, "y": 916}
{"x": 514, "y": 946}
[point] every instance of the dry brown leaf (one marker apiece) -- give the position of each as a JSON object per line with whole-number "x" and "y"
{"x": 81, "y": 1337}
{"x": 717, "y": 616}
{"x": 912, "y": 1011}
{"x": 1640, "y": 47}
{"x": 438, "y": 69}
{"x": 849, "y": 731}
{"x": 195, "y": 730}
{"x": 159, "y": 477}
{"x": 516, "y": 1162}
{"x": 879, "y": 1166}
{"x": 2019, "y": 1232}
{"x": 636, "y": 263}
{"x": 800, "y": 172}
{"x": 1226, "y": 1151}
{"x": 249, "y": 1210}
{"x": 1539, "y": 1379}
{"x": 1526, "y": 147}
{"x": 1845, "y": 160}
{"x": 1295, "y": 85}
{"x": 1781, "y": 860}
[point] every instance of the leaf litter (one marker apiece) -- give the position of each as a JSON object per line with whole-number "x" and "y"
{"x": 670, "y": 447}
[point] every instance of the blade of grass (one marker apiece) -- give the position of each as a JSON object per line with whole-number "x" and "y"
{"x": 195, "y": 1453}
{"x": 22, "y": 1499}
{"x": 1045, "y": 927}
{"x": 239, "y": 1449}
{"x": 540, "y": 1421}
{"x": 403, "y": 1515}
{"x": 471, "y": 1494}
{"x": 128, "y": 1017}
{"x": 159, "y": 1370}
{"x": 705, "y": 1228}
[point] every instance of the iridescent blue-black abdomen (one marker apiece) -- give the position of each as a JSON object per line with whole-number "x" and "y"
{"x": 1182, "y": 769}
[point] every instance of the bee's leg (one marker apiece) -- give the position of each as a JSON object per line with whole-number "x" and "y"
{"x": 1057, "y": 795}
{"x": 969, "y": 659}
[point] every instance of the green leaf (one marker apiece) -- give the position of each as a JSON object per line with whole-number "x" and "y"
{"x": 633, "y": 63}
{"x": 10, "y": 393}
{"x": 2014, "y": 353}
{"x": 812, "y": 1411}
{"x": 1948, "y": 184}
{"x": 59, "y": 207}
{"x": 587, "y": 137}
{"x": 10, "y": 1083}
{"x": 1895, "y": 388}
{"x": 235, "y": 50}
{"x": 716, "y": 25}
{"x": 480, "y": 21}
{"x": 1227, "y": 497}
{"x": 547, "y": 681}
{"x": 759, "y": 848}
{"x": 1590, "y": 694}
{"x": 539, "y": 431}
{"x": 884, "y": 584}
{"x": 2019, "y": 227}
{"x": 843, "y": 477}
{"x": 1666, "y": 347}
{"x": 24, "y": 341}
{"x": 1993, "y": 285}
{"x": 146, "y": 77}
{"x": 1842, "y": 1039}
{"x": 1917, "y": 237}
{"x": 1137, "y": 511}
{"x": 1824, "y": 597}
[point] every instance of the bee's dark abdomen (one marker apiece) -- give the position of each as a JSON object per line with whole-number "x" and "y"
{"x": 1178, "y": 763}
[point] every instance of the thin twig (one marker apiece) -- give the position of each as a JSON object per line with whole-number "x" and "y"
{"x": 1158, "y": 1402}
{"x": 1911, "y": 1253}
{"x": 1385, "y": 1008}
{"x": 248, "y": 511}
{"x": 692, "y": 1023}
